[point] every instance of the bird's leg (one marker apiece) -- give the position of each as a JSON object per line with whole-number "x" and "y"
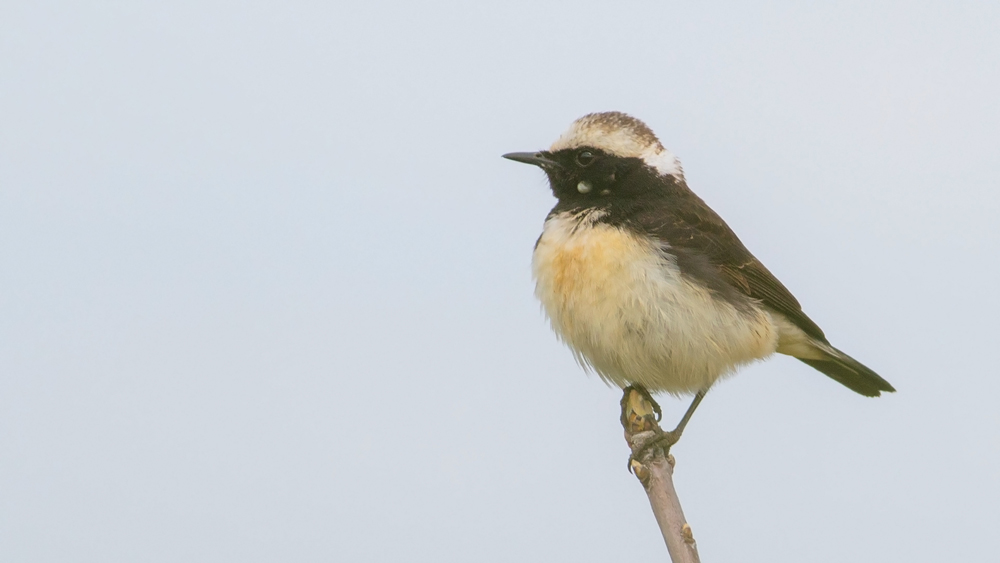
{"x": 637, "y": 416}
{"x": 687, "y": 415}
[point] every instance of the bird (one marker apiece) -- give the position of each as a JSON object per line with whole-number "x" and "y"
{"x": 647, "y": 285}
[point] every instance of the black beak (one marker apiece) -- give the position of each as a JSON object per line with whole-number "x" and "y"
{"x": 536, "y": 158}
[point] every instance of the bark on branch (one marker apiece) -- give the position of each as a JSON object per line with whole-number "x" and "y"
{"x": 655, "y": 469}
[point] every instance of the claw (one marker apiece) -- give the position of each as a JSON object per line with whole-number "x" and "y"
{"x": 663, "y": 440}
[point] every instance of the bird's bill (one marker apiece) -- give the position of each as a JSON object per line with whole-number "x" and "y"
{"x": 536, "y": 158}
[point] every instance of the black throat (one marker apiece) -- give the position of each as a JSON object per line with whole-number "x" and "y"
{"x": 623, "y": 188}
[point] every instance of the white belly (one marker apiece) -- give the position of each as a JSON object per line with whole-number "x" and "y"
{"x": 627, "y": 313}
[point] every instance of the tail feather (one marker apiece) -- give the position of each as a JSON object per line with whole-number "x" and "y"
{"x": 849, "y": 372}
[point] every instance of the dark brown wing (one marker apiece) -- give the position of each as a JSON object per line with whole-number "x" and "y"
{"x": 754, "y": 280}
{"x": 707, "y": 249}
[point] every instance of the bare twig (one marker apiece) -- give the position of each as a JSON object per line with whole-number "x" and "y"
{"x": 655, "y": 469}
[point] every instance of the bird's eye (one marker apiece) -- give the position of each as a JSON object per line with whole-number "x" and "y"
{"x": 585, "y": 158}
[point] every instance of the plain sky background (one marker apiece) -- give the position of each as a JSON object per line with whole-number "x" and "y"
{"x": 265, "y": 290}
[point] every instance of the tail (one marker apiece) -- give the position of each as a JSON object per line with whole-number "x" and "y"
{"x": 848, "y": 372}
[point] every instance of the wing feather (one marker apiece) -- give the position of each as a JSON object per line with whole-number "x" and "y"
{"x": 700, "y": 238}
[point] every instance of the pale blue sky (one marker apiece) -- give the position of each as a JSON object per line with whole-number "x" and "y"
{"x": 265, "y": 292}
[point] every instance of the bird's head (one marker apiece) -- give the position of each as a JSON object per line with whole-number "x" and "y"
{"x": 596, "y": 158}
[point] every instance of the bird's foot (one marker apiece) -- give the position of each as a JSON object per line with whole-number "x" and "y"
{"x": 633, "y": 408}
{"x": 660, "y": 440}
{"x": 640, "y": 417}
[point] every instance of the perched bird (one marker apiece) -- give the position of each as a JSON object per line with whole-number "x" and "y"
{"x": 647, "y": 285}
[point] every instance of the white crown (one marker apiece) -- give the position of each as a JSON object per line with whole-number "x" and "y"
{"x": 621, "y": 135}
